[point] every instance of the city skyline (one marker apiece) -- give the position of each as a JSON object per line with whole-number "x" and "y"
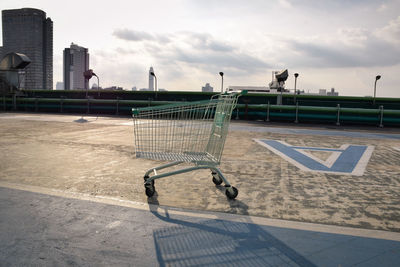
{"x": 340, "y": 44}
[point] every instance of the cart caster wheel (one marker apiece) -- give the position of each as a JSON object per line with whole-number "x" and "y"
{"x": 150, "y": 190}
{"x": 147, "y": 177}
{"x": 216, "y": 180}
{"x": 231, "y": 192}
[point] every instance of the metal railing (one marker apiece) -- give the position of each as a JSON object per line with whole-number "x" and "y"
{"x": 289, "y": 113}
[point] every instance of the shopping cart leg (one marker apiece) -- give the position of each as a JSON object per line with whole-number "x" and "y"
{"x": 149, "y": 181}
{"x": 218, "y": 177}
{"x": 230, "y": 191}
{"x": 161, "y": 167}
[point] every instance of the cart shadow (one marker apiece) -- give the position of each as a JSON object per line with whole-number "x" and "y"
{"x": 194, "y": 241}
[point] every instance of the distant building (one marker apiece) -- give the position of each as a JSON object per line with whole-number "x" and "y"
{"x": 114, "y": 88}
{"x": 207, "y": 88}
{"x": 332, "y": 92}
{"x": 151, "y": 79}
{"x": 329, "y": 93}
{"x": 254, "y": 89}
{"x": 134, "y": 88}
{"x": 29, "y": 32}
{"x": 59, "y": 86}
{"x": 76, "y": 62}
{"x": 1, "y": 52}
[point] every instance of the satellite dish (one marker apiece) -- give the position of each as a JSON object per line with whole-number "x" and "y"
{"x": 282, "y": 76}
{"x": 14, "y": 61}
{"x": 12, "y": 72}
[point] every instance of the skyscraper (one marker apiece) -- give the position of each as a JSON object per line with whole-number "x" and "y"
{"x": 207, "y": 88}
{"x": 29, "y": 32}
{"x": 76, "y": 62}
{"x": 151, "y": 80}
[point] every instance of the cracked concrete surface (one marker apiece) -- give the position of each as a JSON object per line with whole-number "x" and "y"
{"x": 97, "y": 157}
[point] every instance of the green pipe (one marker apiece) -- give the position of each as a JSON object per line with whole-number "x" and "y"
{"x": 253, "y": 110}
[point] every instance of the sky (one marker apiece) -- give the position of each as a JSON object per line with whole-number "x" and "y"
{"x": 342, "y": 44}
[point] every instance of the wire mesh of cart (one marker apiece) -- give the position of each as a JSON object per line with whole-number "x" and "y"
{"x": 189, "y": 132}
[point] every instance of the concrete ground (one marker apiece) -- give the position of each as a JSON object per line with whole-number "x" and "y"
{"x": 94, "y": 157}
{"x": 64, "y": 229}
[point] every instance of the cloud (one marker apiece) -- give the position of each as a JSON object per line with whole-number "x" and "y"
{"x": 348, "y": 47}
{"x": 201, "y": 50}
{"x": 376, "y": 53}
{"x": 390, "y": 32}
{"x": 130, "y": 35}
{"x": 285, "y": 4}
{"x": 205, "y": 41}
{"x": 382, "y": 8}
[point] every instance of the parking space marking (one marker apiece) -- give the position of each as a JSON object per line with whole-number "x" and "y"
{"x": 348, "y": 159}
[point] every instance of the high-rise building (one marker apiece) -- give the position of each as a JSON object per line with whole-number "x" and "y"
{"x": 29, "y": 32}
{"x": 59, "y": 86}
{"x": 151, "y": 79}
{"x": 207, "y": 88}
{"x": 76, "y": 62}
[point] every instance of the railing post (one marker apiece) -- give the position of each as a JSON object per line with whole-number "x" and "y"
{"x": 338, "y": 115}
{"x": 237, "y": 114}
{"x": 61, "y": 104}
{"x": 297, "y": 113}
{"x": 14, "y": 101}
{"x": 87, "y": 106}
{"x": 381, "y": 119}
{"x": 268, "y": 111}
{"x": 117, "y": 111}
{"x": 4, "y": 102}
{"x": 36, "y": 104}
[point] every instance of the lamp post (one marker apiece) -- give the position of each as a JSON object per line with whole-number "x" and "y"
{"x": 376, "y": 79}
{"x": 155, "y": 89}
{"x": 98, "y": 84}
{"x": 295, "y": 83}
{"x": 222, "y": 81}
{"x": 88, "y": 74}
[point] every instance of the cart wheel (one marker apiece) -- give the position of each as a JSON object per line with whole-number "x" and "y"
{"x": 150, "y": 190}
{"x": 216, "y": 179}
{"x": 231, "y": 192}
{"x": 147, "y": 177}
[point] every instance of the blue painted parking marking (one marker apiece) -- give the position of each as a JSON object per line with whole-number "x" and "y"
{"x": 348, "y": 159}
{"x": 314, "y": 132}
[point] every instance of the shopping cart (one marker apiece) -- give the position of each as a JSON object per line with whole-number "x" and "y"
{"x": 191, "y": 132}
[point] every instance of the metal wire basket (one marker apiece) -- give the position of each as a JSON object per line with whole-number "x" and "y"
{"x": 192, "y": 132}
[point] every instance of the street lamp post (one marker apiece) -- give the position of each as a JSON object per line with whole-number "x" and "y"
{"x": 376, "y": 79}
{"x": 98, "y": 84}
{"x": 222, "y": 81}
{"x": 295, "y": 83}
{"x": 155, "y": 89}
{"x": 88, "y": 74}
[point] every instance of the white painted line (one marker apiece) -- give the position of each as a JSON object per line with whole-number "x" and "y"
{"x": 331, "y": 229}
